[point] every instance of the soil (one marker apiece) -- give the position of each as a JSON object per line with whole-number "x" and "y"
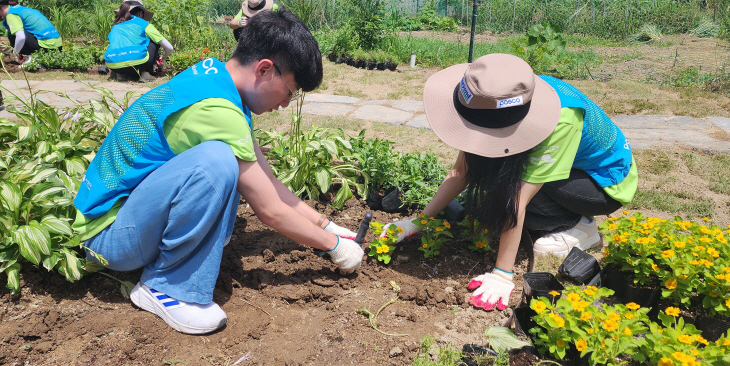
{"x": 285, "y": 306}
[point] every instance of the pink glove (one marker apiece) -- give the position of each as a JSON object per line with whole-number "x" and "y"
{"x": 492, "y": 289}
{"x": 339, "y": 231}
{"x": 406, "y": 225}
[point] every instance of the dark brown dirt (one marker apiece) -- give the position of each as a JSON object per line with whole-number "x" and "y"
{"x": 285, "y": 306}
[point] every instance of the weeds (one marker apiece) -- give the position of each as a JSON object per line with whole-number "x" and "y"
{"x": 374, "y": 317}
{"x": 647, "y": 33}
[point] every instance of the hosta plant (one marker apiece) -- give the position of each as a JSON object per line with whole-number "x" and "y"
{"x": 44, "y": 153}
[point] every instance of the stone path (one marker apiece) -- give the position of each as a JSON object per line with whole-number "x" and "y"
{"x": 708, "y": 134}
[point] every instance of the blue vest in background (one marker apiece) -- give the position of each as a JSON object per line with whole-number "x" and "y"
{"x": 34, "y": 22}
{"x": 127, "y": 41}
{"x": 136, "y": 145}
{"x": 603, "y": 152}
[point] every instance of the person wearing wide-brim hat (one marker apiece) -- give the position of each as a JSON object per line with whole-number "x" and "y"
{"x": 134, "y": 43}
{"x": 249, "y": 8}
{"x": 535, "y": 153}
{"x": 28, "y": 30}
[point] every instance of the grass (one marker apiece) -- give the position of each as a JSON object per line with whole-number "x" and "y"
{"x": 674, "y": 202}
{"x": 713, "y": 168}
{"x": 654, "y": 161}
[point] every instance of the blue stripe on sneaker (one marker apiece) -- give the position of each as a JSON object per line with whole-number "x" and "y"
{"x": 171, "y": 303}
{"x": 153, "y": 291}
{"x": 162, "y": 297}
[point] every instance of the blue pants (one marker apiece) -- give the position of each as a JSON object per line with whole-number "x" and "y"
{"x": 175, "y": 223}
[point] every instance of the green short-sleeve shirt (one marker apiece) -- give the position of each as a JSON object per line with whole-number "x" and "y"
{"x": 153, "y": 34}
{"x": 211, "y": 119}
{"x": 15, "y": 24}
{"x": 552, "y": 159}
{"x": 240, "y": 12}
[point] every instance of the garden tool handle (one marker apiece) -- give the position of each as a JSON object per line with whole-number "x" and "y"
{"x": 364, "y": 226}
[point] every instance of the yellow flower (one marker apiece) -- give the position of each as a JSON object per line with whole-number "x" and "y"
{"x": 627, "y": 212}
{"x": 700, "y": 339}
{"x": 670, "y": 284}
{"x": 431, "y": 218}
{"x": 614, "y": 317}
{"x": 705, "y": 219}
{"x": 558, "y": 319}
{"x": 560, "y": 343}
{"x": 573, "y": 297}
{"x": 629, "y": 316}
{"x": 612, "y": 227}
{"x": 590, "y": 290}
{"x": 423, "y": 222}
{"x": 585, "y": 316}
{"x": 481, "y": 244}
{"x": 726, "y": 269}
{"x": 633, "y": 306}
{"x": 654, "y": 267}
{"x": 713, "y": 294}
{"x": 486, "y": 231}
{"x": 400, "y": 231}
{"x": 589, "y": 331}
{"x": 610, "y": 325}
{"x": 554, "y": 293}
{"x": 425, "y": 245}
{"x": 581, "y": 345}
{"x": 539, "y": 307}
{"x": 679, "y": 244}
{"x": 726, "y": 342}
{"x": 446, "y": 223}
{"x": 685, "y": 339}
{"x": 605, "y": 252}
{"x": 720, "y": 276}
{"x": 668, "y": 254}
{"x": 706, "y": 240}
{"x": 580, "y": 305}
{"x": 727, "y": 303}
{"x": 627, "y": 331}
{"x": 439, "y": 229}
{"x": 672, "y": 311}
{"x": 665, "y": 362}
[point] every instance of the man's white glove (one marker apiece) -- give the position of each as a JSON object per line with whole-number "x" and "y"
{"x": 339, "y": 231}
{"x": 406, "y": 226}
{"x": 492, "y": 289}
{"x": 243, "y": 21}
{"x": 347, "y": 255}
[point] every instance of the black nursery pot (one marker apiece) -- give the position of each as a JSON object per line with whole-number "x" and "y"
{"x": 537, "y": 284}
{"x": 523, "y": 321}
{"x": 392, "y": 202}
{"x": 332, "y": 57}
{"x": 358, "y": 63}
{"x": 579, "y": 266}
{"x": 712, "y": 328}
{"x": 646, "y": 297}
{"x": 391, "y": 66}
{"x": 380, "y": 66}
{"x": 615, "y": 280}
{"x": 454, "y": 211}
{"x": 339, "y": 60}
{"x": 374, "y": 200}
{"x": 371, "y": 65}
{"x": 350, "y": 61}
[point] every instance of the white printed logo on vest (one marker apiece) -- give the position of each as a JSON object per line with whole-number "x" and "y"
{"x": 511, "y": 102}
{"x": 465, "y": 92}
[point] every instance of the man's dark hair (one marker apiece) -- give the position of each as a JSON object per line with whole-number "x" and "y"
{"x": 283, "y": 38}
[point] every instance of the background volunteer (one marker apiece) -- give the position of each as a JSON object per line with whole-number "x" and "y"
{"x": 28, "y": 30}
{"x": 249, "y": 8}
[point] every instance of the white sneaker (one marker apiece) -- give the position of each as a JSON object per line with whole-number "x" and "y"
{"x": 146, "y": 77}
{"x": 185, "y": 317}
{"x": 584, "y": 236}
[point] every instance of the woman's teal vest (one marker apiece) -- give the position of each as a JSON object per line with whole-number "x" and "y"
{"x": 603, "y": 152}
{"x": 127, "y": 41}
{"x": 136, "y": 145}
{"x": 34, "y": 22}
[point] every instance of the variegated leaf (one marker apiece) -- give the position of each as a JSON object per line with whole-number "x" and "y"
{"x": 55, "y": 225}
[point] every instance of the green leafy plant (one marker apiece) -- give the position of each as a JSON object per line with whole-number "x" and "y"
{"x": 308, "y": 162}
{"x": 43, "y": 156}
{"x": 477, "y": 235}
{"x": 367, "y": 22}
{"x": 374, "y": 317}
{"x": 73, "y": 57}
{"x": 502, "y": 339}
{"x": 647, "y": 33}
{"x": 381, "y": 248}
{"x": 433, "y": 235}
{"x": 542, "y": 47}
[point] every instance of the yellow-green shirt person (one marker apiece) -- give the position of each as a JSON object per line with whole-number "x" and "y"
{"x": 249, "y": 8}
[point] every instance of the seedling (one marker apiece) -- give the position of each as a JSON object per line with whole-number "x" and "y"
{"x": 382, "y": 247}
{"x": 434, "y": 234}
{"x": 373, "y": 317}
{"x": 477, "y": 235}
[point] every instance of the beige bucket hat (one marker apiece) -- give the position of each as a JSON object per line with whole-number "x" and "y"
{"x": 493, "y": 107}
{"x": 253, "y": 7}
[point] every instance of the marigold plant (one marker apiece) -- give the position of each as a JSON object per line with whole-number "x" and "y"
{"x": 433, "y": 235}
{"x": 381, "y": 248}
{"x": 477, "y": 235}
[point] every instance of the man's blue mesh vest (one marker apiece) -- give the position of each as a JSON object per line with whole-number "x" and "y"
{"x": 127, "y": 41}
{"x": 34, "y": 22}
{"x": 603, "y": 152}
{"x": 136, "y": 145}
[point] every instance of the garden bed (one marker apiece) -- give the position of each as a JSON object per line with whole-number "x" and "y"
{"x": 313, "y": 318}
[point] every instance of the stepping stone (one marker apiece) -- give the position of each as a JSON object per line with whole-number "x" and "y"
{"x": 63, "y": 86}
{"x": 408, "y": 105}
{"x": 56, "y": 101}
{"x": 660, "y": 122}
{"x": 419, "y": 121}
{"x": 711, "y": 147}
{"x": 721, "y": 122}
{"x": 22, "y": 84}
{"x": 666, "y": 135}
{"x": 381, "y": 114}
{"x": 327, "y": 109}
{"x": 374, "y": 102}
{"x": 328, "y": 98}
{"x": 648, "y": 144}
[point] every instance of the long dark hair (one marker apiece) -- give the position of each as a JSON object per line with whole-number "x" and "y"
{"x": 123, "y": 14}
{"x": 493, "y": 189}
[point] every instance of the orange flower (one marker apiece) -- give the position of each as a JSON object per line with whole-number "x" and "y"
{"x": 672, "y": 311}
{"x": 670, "y": 284}
{"x": 205, "y": 50}
{"x": 446, "y": 223}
